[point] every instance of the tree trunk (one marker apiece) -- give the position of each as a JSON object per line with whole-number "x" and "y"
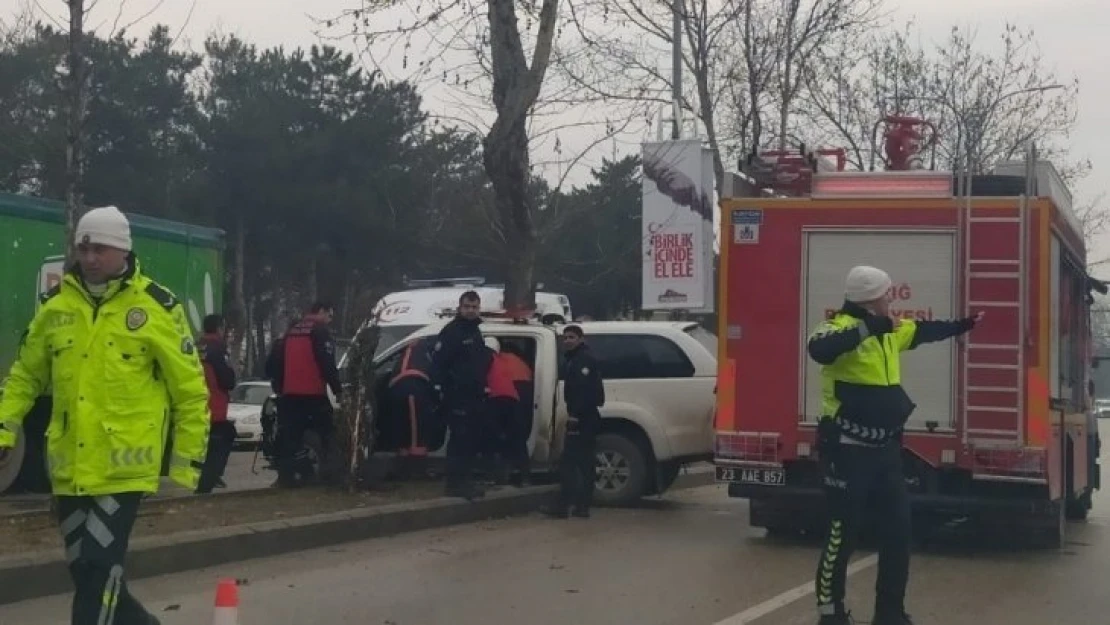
{"x": 516, "y": 86}
{"x": 313, "y": 278}
{"x": 248, "y": 340}
{"x": 262, "y": 347}
{"x": 75, "y": 149}
{"x": 239, "y": 318}
{"x": 710, "y": 122}
{"x": 505, "y": 157}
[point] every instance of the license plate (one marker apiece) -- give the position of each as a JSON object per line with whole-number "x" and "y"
{"x": 765, "y": 477}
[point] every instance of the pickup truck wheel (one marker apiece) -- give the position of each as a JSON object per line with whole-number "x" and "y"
{"x": 9, "y": 466}
{"x": 621, "y": 470}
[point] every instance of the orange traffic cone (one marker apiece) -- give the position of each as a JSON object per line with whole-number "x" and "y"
{"x": 227, "y": 603}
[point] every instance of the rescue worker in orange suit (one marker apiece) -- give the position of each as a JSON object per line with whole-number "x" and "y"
{"x": 519, "y": 428}
{"x": 584, "y": 393}
{"x": 220, "y": 377}
{"x": 864, "y": 409}
{"x": 411, "y": 390}
{"x": 306, "y": 363}
{"x": 460, "y": 361}
{"x": 501, "y": 409}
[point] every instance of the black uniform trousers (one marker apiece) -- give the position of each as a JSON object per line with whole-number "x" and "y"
{"x": 465, "y": 422}
{"x": 297, "y": 415}
{"x": 853, "y": 476}
{"x": 96, "y": 531}
{"x": 520, "y": 429}
{"x": 578, "y": 465}
{"x": 221, "y": 438}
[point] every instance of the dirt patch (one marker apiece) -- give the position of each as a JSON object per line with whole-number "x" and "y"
{"x": 159, "y": 517}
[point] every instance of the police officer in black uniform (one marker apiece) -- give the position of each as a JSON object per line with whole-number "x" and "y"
{"x": 584, "y": 393}
{"x": 460, "y": 362}
{"x": 864, "y": 409}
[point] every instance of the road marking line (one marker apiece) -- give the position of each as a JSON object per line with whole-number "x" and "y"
{"x": 779, "y": 602}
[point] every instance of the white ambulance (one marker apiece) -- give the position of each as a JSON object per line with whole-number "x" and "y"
{"x": 429, "y": 301}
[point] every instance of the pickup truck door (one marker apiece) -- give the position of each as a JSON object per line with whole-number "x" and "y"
{"x": 545, "y": 378}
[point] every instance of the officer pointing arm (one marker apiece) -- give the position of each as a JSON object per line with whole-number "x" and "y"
{"x": 864, "y": 409}
{"x": 831, "y": 341}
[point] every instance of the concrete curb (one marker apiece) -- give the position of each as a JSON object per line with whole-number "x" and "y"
{"x": 151, "y": 503}
{"x": 43, "y": 573}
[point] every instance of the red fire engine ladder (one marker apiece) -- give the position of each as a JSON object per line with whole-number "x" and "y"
{"x": 995, "y": 276}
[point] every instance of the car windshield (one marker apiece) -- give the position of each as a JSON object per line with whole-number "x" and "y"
{"x": 391, "y": 335}
{"x": 254, "y": 394}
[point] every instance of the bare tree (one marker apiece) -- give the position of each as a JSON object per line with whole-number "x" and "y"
{"x": 744, "y": 56}
{"x": 804, "y": 28}
{"x": 505, "y": 47}
{"x": 749, "y": 79}
{"x": 618, "y": 66}
{"x": 77, "y": 97}
{"x": 987, "y": 107}
{"x": 850, "y": 87}
{"x": 1094, "y": 218}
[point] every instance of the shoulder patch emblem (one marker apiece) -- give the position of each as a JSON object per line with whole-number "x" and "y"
{"x": 162, "y": 295}
{"x": 136, "y": 318}
{"x": 585, "y": 371}
{"x": 53, "y": 291}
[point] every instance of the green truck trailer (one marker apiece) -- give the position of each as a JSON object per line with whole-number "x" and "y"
{"x": 185, "y": 258}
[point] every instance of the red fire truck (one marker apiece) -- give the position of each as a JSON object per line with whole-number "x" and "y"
{"x": 1003, "y": 426}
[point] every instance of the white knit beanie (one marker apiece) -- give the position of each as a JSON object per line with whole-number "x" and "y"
{"x": 866, "y": 284}
{"x": 105, "y": 226}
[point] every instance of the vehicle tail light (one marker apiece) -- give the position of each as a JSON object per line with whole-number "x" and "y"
{"x": 1020, "y": 462}
{"x": 748, "y": 446}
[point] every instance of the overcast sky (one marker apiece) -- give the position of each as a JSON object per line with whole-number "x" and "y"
{"x": 1071, "y": 34}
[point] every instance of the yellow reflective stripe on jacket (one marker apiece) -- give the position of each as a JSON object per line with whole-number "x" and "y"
{"x": 132, "y": 456}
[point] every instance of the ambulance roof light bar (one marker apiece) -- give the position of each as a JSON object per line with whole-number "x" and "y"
{"x": 493, "y": 315}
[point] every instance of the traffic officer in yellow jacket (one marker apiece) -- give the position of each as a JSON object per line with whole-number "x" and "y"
{"x": 116, "y": 350}
{"x": 864, "y": 409}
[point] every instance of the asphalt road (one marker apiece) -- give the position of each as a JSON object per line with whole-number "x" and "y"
{"x": 688, "y": 560}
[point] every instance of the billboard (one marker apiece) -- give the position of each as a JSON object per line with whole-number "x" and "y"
{"x": 677, "y": 226}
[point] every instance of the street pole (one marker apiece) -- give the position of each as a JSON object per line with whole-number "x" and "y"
{"x": 676, "y": 70}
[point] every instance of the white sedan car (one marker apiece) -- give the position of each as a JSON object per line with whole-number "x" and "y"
{"x": 245, "y": 411}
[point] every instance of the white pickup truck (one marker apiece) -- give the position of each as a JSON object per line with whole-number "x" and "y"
{"x": 659, "y": 390}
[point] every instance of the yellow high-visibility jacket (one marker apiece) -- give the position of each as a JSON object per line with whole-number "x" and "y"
{"x": 861, "y": 375}
{"x": 123, "y": 370}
